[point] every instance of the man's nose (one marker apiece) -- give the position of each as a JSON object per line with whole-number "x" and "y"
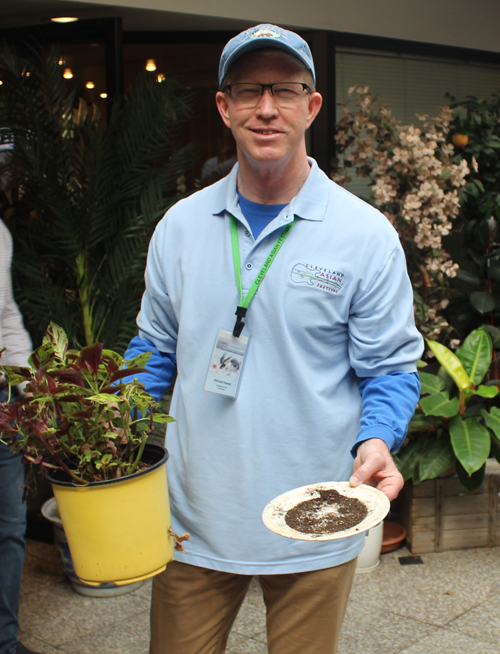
{"x": 267, "y": 104}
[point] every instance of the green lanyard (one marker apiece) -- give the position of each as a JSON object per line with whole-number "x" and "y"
{"x": 245, "y": 301}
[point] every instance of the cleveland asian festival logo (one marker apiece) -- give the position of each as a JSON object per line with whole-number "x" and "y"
{"x": 324, "y": 279}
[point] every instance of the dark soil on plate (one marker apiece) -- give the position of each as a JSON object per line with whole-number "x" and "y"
{"x": 326, "y": 514}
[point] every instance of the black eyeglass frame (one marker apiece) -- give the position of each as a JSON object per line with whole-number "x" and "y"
{"x": 305, "y": 87}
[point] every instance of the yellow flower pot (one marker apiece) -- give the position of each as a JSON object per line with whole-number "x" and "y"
{"x": 118, "y": 530}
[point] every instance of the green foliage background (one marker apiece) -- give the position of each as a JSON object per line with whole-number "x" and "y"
{"x": 476, "y": 230}
{"x": 85, "y": 197}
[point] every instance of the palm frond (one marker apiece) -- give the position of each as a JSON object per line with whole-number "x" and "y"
{"x": 86, "y": 197}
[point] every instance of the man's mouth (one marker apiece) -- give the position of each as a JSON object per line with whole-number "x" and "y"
{"x": 266, "y": 132}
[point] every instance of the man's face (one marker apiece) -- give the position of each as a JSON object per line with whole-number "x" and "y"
{"x": 268, "y": 132}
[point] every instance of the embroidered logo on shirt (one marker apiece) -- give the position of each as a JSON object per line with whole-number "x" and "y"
{"x": 318, "y": 277}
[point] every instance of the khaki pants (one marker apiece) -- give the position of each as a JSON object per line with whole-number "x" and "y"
{"x": 193, "y": 609}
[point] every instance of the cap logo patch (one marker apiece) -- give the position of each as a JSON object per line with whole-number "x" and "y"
{"x": 268, "y": 34}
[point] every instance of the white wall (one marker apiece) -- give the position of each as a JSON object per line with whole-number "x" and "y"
{"x": 465, "y": 23}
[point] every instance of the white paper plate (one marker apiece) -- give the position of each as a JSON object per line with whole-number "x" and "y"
{"x": 274, "y": 514}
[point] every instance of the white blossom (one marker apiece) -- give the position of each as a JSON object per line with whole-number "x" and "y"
{"x": 415, "y": 184}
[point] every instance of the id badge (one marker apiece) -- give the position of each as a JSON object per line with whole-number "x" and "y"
{"x": 226, "y": 364}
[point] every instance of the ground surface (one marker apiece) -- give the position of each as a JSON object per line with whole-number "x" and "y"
{"x": 449, "y": 604}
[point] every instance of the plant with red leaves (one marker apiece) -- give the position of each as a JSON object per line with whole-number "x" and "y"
{"x": 79, "y": 413}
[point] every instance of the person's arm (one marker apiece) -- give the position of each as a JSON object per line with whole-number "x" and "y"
{"x": 384, "y": 347}
{"x": 156, "y": 321}
{"x": 388, "y": 403}
{"x": 15, "y": 338}
{"x": 161, "y": 367}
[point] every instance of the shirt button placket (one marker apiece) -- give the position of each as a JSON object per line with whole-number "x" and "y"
{"x": 246, "y": 253}
{"x": 248, "y": 264}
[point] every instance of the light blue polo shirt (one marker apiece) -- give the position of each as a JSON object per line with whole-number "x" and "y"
{"x": 335, "y": 306}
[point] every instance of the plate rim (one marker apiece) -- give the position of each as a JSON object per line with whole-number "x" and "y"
{"x": 273, "y": 513}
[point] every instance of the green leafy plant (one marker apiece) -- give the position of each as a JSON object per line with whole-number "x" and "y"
{"x": 84, "y": 196}
{"x": 454, "y": 426}
{"x": 78, "y": 415}
{"x": 475, "y": 135}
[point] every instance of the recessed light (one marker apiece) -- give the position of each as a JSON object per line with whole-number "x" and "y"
{"x": 64, "y": 19}
{"x": 160, "y": 77}
{"x": 90, "y": 85}
{"x": 103, "y": 95}
{"x": 150, "y": 65}
{"x": 68, "y": 73}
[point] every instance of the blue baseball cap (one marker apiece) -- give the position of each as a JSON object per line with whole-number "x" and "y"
{"x": 265, "y": 36}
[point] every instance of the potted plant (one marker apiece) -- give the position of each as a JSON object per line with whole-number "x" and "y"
{"x": 454, "y": 425}
{"x": 450, "y": 498}
{"x": 87, "y": 426}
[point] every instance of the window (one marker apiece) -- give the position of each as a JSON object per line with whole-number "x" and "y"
{"x": 410, "y": 84}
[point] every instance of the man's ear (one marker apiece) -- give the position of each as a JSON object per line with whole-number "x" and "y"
{"x": 315, "y": 102}
{"x": 220, "y": 100}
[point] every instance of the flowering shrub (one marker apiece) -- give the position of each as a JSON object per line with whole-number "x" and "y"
{"x": 415, "y": 181}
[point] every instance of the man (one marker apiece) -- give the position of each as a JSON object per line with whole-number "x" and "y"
{"x": 330, "y": 366}
{"x": 17, "y": 342}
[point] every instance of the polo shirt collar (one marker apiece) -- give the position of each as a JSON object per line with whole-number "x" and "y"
{"x": 310, "y": 203}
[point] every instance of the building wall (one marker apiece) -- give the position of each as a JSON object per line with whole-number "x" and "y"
{"x": 462, "y": 23}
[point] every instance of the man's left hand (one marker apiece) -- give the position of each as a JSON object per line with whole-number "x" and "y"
{"x": 375, "y": 466}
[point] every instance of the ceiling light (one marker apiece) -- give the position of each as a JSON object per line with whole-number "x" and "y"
{"x": 68, "y": 73}
{"x": 1, "y": 82}
{"x": 90, "y": 85}
{"x": 61, "y": 62}
{"x": 103, "y": 95}
{"x": 160, "y": 77}
{"x": 150, "y": 65}
{"x": 64, "y": 19}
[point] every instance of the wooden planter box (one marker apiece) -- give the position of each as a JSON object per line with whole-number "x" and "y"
{"x": 439, "y": 514}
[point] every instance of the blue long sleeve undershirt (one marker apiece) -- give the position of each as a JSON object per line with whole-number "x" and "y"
{"x": 388, "y": 401}
{"x": 161, "y": 367}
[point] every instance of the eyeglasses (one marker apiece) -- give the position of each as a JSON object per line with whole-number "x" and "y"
{"x": 248, "y": 94}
